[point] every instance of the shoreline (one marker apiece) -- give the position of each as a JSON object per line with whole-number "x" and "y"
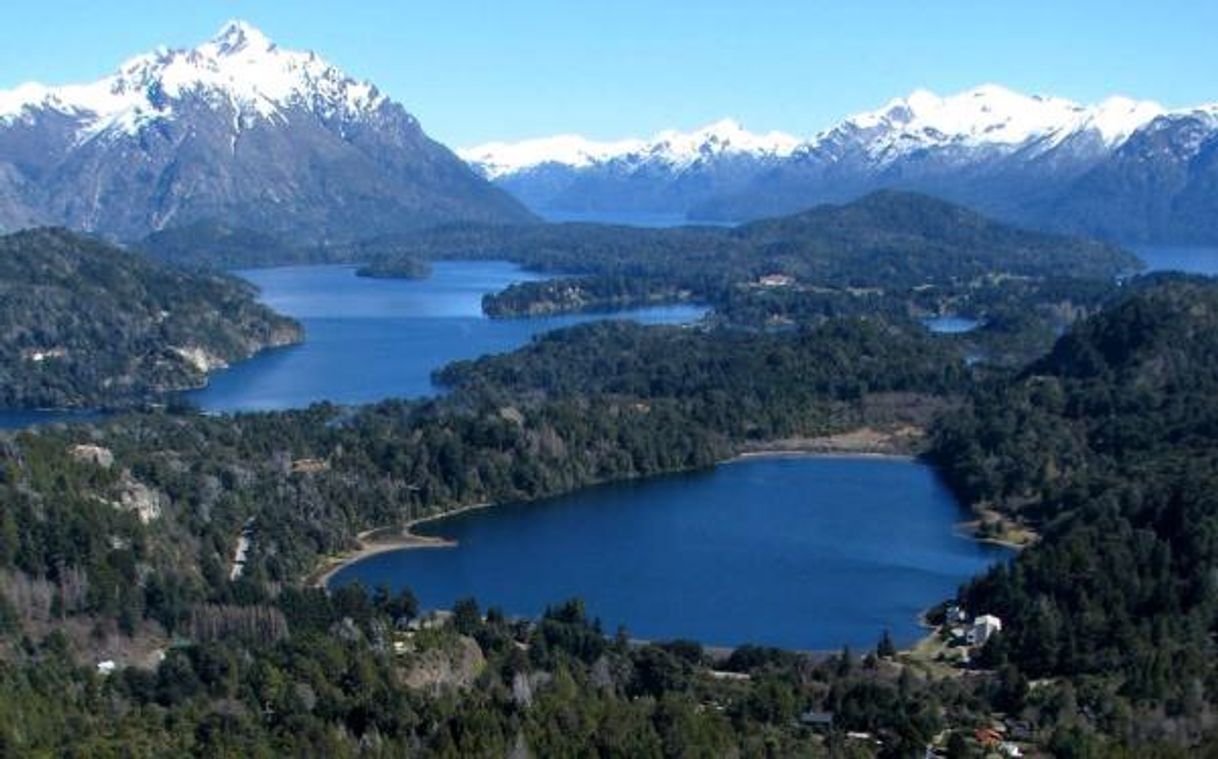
{"x": 857, "y": 444}
{"x": 388, "y": 538}
{"x": 384, "y": 539}
{"x": 788, "y": 453}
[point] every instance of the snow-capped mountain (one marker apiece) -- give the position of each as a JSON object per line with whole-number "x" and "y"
{"x": 1026, "y": 158}
{"x": 664, "y": 174}
{"x": 236, "y": 128}
{"x": 680, "y": 150}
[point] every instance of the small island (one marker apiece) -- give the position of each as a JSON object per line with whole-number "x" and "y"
{"x": 396, "y": 267}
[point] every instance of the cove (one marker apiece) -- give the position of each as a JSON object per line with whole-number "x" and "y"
{"x": 801, "y": 552}
{"x": 371, "y": 339}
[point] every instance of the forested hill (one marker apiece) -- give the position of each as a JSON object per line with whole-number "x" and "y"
{"x": 895, "y": 254}
{"x": 886, "y": 238}
{"x": 87, "y": 324}
{"x": 1110, "y": 446}
{"x": 899, "y": 235}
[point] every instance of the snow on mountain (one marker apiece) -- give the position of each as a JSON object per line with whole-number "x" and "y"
{"x": 672, "y": 148}
{"x": 235, "y": 130}
{"x": 238, "y": 66}
{"x": 986, "y": 117}
{"x": 496, "y": 159}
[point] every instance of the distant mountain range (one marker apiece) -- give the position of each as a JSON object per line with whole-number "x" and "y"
{"x": 235, "y": 130}
{"x": 1123, "y": 169}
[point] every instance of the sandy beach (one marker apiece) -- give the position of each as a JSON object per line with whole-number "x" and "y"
{"x": 384, "y": 539}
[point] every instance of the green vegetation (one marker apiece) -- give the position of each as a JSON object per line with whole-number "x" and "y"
{"x": 404, "y": 267}
{"x": 213, "y": 244}
{"x": 892, "y": 254}
{"x": 1108, "y": 446}
{"x": 118, "y": 539}
{"x": 86, "y": 324}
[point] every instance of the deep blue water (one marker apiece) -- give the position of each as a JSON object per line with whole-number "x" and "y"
{"x": 371, "y": 339}
{"x": 19, "y": 418}
{"x": 951, "y": 325}
{"x": 1193, "y": 260}
{"x": 801, "y": 552}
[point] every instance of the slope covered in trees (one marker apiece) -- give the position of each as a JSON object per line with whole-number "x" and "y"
{"x": 120, "y": 536}
{"x": 900, "y": 255}
{"x": 87, "y": 324}
{"x": 1109, "y": 446}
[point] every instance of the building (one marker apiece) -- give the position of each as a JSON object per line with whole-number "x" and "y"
{"x": 817, "y": 720}
{"x": 983, "y": 629}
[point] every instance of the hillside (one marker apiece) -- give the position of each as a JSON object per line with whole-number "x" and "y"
{"x": 87, "y": 324}
{"x": 1109, "y": 447}
{"x": 897, "y": 254}
{"x": 236, "y": 129}
{"x": 118, "y": 538}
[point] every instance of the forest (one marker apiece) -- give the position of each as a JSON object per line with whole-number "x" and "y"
{"x": 87, "y": 324}
{"x": 117, "y": 539}
{"x": 895, "y": 254}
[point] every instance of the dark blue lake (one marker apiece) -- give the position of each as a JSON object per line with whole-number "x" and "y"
{"x": 371, "y": 339}
{"x": 951, "y": 325}
{"x": 1192, "y": 260}
{"x": 801, "y": 552}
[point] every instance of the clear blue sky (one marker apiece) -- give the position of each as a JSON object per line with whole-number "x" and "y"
{"x": 474, "y": 71}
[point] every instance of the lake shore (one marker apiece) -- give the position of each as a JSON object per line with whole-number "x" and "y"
{"x": 384, "y": 539}
{"x": 863, "y": 443}
{"x": 900, "y": 442}
{"x": 897, "y": 444}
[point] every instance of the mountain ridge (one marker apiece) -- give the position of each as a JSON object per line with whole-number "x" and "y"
{"x": 235, "y": 129}
{"x": 1034, "y": 160}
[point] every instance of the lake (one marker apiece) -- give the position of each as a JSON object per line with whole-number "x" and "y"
{"x": 370, "y": 339}
{"x": 1193, "y": 260}
{"x": 951, "y": 325}
{"x": 801, "y": 552}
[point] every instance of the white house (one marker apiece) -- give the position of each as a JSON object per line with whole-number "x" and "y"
{"x": 983, "y": 628}
{"x": 106, "y": 667}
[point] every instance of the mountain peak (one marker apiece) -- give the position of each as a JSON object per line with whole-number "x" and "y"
{"x": 237, "y": 35}
{"x": 239, "y": 67}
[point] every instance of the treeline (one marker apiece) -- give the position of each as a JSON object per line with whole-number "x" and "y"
{"x": 746, "y": 386}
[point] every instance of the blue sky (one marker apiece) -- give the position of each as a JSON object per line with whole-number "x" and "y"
{"x": 475, "y": 71}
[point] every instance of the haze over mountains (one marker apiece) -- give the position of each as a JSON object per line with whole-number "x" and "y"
{"x": 1122, "y": 169}
{"x": 236, "y": 129}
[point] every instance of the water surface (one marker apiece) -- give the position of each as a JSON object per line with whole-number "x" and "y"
{"x": 1191, "y": 260}
{"x": 369, "y": 339}
{"x": 951, "y": 325}
{"x": 11, "y": 419}
{"x": 802, "y": 552}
